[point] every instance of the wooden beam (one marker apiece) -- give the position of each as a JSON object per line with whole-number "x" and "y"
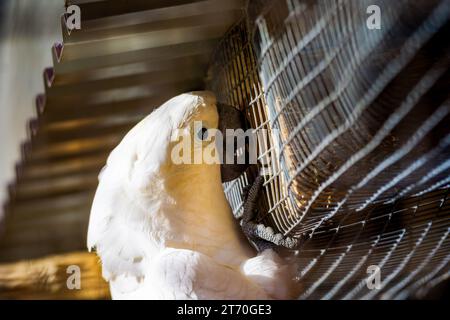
{"x": 46, "y": 278}
{"x": 94, "y": 9}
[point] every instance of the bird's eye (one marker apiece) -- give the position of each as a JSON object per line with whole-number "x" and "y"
{"x": 202, "y": 134}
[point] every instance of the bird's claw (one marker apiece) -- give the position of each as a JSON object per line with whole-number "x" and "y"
{"x": 260, "y": 236}
{"x": 264, "y": 237}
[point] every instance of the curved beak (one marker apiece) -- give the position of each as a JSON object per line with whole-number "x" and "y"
{"x": 231, "y": 118}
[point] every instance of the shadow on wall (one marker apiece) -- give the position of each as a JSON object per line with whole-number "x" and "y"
{"x": 28, "y": 29}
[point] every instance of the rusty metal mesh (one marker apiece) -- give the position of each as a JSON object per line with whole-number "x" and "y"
{"x": 358, "y": 138}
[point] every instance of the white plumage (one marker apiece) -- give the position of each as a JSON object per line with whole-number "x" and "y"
{"x": 165, "y": 230}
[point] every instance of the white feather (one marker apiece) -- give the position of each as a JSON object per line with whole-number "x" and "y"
{"x": 166, "y": 231}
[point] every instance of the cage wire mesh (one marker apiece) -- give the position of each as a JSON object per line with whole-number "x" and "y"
{"x": 234, "y": 78}
{"x": 358, "y": 145}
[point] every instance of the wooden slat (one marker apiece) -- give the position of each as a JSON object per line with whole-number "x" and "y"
{"x": 46, "y": 278}
{"x": 94, "y": 9}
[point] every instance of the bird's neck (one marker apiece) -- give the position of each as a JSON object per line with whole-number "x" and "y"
{"x": 202, "y": 217}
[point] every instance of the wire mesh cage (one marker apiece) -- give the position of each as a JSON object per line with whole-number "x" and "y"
{"x": 236, "y": 82}
{"x": 357, "y": 137}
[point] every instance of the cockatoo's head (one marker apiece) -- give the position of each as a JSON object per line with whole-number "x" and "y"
{"x": 155, "y": 188}
{"x": 186, "y": 135}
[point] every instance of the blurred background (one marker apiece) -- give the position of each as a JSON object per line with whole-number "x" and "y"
{"x": 28, "y": 31}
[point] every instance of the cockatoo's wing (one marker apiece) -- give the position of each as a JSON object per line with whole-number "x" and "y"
{"x": 186, "y": 274}
{"x": 121, "y": 248}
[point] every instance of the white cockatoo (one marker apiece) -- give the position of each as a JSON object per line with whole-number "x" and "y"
{"x": 165, "y": 230}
